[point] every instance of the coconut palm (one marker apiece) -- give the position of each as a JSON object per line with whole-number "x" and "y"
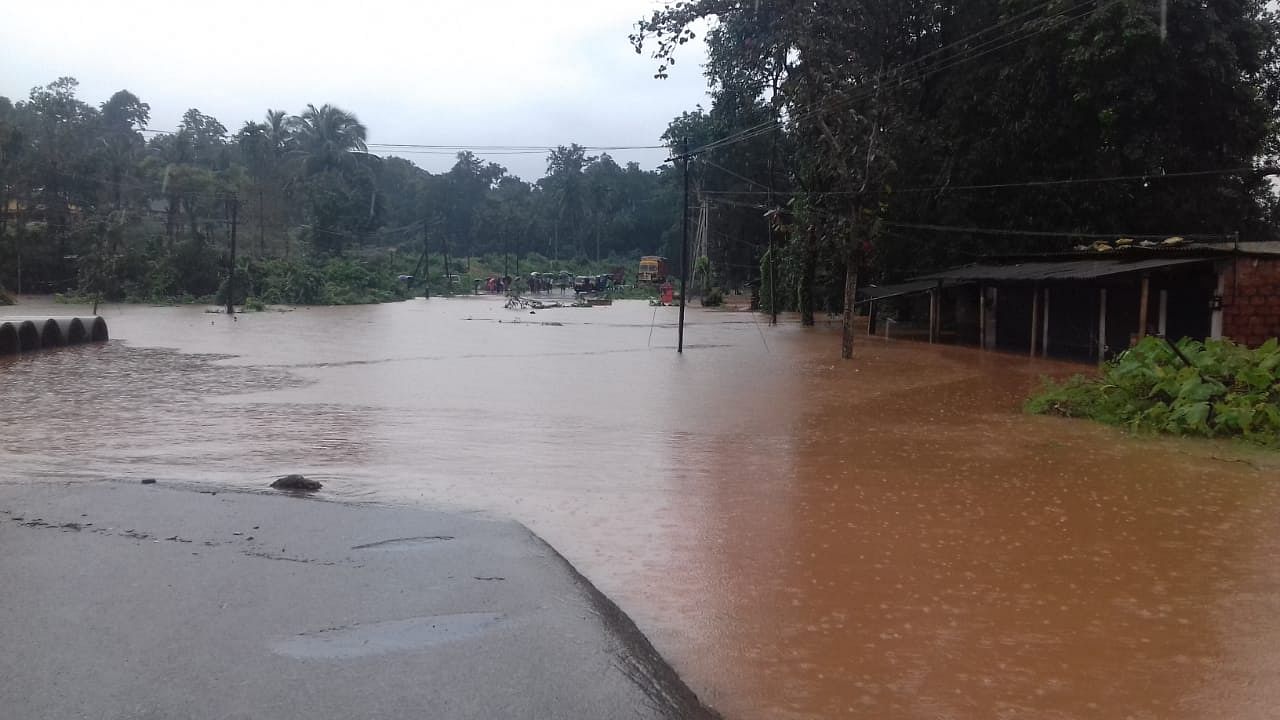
{"x": 276, "y": 129}
{"x": 326, "y": 137}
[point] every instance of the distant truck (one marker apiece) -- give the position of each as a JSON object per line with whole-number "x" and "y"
{"x": 653, "y": 270}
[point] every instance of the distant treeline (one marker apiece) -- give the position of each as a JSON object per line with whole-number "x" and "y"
{"x": 96, "y": 204}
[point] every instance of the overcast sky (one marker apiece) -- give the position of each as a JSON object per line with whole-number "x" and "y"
{"x": 432, "y": 72}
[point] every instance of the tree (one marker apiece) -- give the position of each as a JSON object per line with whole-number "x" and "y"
{"x": 564, "y": 183}
{"x": 330, "y": 143}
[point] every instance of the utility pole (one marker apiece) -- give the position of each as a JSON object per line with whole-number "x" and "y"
{"x": 448, "y": 281}
{"x": 426, "y": 260}
{"x": 773, "y": 263}
{"x": 684, "y": 247}
{"x": 231, "y": 274}
{"x": 262, "y": 226}
{"x": 773, "y": 182}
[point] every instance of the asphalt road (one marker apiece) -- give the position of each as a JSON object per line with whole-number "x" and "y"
{"x": 147, "y": 602}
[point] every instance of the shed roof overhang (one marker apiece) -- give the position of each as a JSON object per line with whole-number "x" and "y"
{"x": 911, "y": 287}
{"x": 1056, "y": 270}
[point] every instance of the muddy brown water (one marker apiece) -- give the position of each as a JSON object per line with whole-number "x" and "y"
{"x": 802, "y": 538}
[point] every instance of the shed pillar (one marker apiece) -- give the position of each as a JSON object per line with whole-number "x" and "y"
{"x": 1044, "y": 330}
{"x": 1035, "y": 318}
{"x": 993, "y": 330}
{"x": 982, "y": 318}
{"x": 1215, "y": 319}
{"x": 872, "y": 311}
{"x": 933, "y": 312}
{"x": 935, "y": 307}
{"x": 1142, "y": 307}
{"x": 937, "y": 313}
{"x": 1164, "y": 314}
{"x": 1102, "y": 325}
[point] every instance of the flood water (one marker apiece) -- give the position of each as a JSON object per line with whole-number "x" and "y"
{"x": 801, "y": 537}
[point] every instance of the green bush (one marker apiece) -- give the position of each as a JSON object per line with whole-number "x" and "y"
{"x": 1221, "y": 389}
{"x": 714, "y": 298}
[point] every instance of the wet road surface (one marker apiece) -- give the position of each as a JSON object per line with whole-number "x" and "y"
{"x": 801, "y": 537}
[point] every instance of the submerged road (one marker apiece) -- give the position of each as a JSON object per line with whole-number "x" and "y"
{"x": 130, "y": 602}
{"x": 801, "y": 537}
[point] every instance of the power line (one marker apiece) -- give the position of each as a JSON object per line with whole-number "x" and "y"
{"x": 513, "y": 147}
{"x": 477, "y": 147}
{"x": 1059, "y": 234}
{"x": 986, "y": 47}
{"x": 1151, "y": 177}
{"x": 1053, "y": 233}
{"x": 744, "y": 178}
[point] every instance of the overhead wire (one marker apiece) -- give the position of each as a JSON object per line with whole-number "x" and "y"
{"x": 986, "y": 47}
{"x": 1149, "y": 177}
{"x": 1059, "y": 234}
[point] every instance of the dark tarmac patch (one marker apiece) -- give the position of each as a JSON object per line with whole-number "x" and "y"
{"x": 386, "y": 637}
{"x": 403, "y": 543}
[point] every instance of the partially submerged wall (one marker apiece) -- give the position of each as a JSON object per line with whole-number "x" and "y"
{"x": 1251, "y": 300}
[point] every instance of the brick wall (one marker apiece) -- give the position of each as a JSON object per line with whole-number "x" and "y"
{"x": 1251, "y": 300}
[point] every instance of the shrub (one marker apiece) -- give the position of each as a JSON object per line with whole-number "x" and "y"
{"x": 1211, "y": 389}
{"x": 714, "y": 298}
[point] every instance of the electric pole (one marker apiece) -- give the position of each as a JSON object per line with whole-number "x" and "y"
{"x": 262, "y": 226}
{"x": 448, "y": 281}
{"x": 231, "y": 274}
{"x": 684, "y": 246}
{"x": 426, "y": 260}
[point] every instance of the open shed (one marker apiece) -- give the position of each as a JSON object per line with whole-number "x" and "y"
{"x": 1090, "y": 306}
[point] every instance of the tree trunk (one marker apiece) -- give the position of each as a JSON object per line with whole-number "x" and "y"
{"x": 850, "y": 290}
{"x": 850, "y": 284}
{"x": 808, "y": 276}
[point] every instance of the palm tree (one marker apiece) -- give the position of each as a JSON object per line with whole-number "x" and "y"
{"x": 326, "y": 137}
{"x": 329, "y": 145}
{"x": 276, "y": 129}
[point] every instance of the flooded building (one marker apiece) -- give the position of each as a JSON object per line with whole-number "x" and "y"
{"x": 1092, "y": 304}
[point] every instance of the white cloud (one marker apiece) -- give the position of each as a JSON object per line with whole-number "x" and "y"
{"x": 484, "y": 72}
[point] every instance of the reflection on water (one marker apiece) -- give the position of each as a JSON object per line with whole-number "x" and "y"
{"x": 885, "y": 538}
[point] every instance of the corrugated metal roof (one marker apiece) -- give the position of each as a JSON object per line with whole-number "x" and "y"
{"x": 1060, "y": 270}
{"x": 1260, "y": 247}
{"x": 879, "y": 292}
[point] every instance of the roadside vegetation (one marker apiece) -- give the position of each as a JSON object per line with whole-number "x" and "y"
{"x": 1211, "y": 389}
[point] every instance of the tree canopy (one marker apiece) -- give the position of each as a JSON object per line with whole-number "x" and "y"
{"x": 97, "y": 202}
{"x": 912, "y": 127}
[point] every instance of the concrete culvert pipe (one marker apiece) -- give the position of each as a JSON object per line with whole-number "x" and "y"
{"x": 28, "y": 336}
{"x": 24, "y": 334}
{"x": 51, "y": 334}
{"x": 97, "y": 329}
{"x": 74, "y": 331}
{"x": 8, "y": 338}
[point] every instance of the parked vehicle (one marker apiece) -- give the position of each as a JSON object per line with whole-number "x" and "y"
{"x": 653, "y": 270}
